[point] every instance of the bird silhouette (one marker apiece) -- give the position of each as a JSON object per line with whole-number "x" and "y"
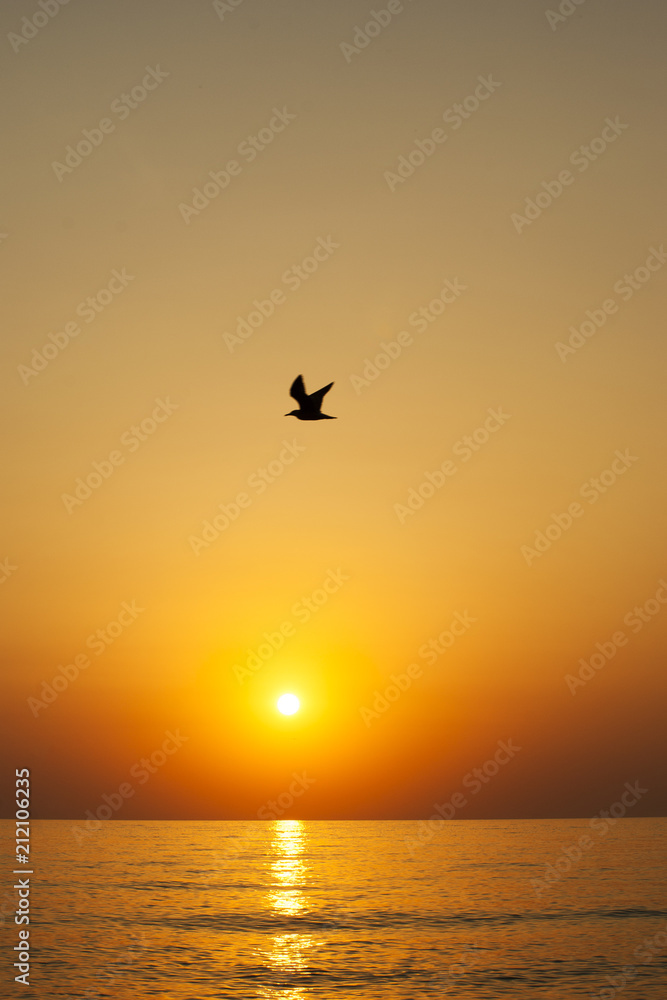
{"x": 310, "y": 406}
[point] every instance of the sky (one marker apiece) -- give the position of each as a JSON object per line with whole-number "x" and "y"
{"x": 453, "y": 211}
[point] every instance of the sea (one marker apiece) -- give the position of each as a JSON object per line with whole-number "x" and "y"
{"x": 288, "y": 910}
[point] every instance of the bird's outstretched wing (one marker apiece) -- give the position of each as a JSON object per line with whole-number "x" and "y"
{"x": 298, "y": 390}
{"x": 321, "y": 393}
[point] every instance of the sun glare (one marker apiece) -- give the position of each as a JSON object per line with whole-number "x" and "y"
{"x": 288, "y": 704}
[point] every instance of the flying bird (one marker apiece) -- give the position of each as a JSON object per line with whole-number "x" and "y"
{"x": 310, "y": 406}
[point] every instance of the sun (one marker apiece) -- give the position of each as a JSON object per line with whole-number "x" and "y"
{"x": 288, "y": 704}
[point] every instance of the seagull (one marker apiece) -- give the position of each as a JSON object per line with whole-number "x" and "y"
{"x": 310, "y": 406}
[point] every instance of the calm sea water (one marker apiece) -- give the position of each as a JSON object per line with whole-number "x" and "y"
{"x": 291, "y": 910}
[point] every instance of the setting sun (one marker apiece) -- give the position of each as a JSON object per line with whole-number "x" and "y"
{"x": 288, "y": 704}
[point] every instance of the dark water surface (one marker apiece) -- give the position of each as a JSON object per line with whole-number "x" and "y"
{"x": 291, "y": 910}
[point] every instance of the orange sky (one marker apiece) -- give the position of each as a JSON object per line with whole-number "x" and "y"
{"x": 460, "y": 222}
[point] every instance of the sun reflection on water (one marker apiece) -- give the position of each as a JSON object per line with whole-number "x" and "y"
{"x": 287, "y": 867}
{"x": 289, "y": 950}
